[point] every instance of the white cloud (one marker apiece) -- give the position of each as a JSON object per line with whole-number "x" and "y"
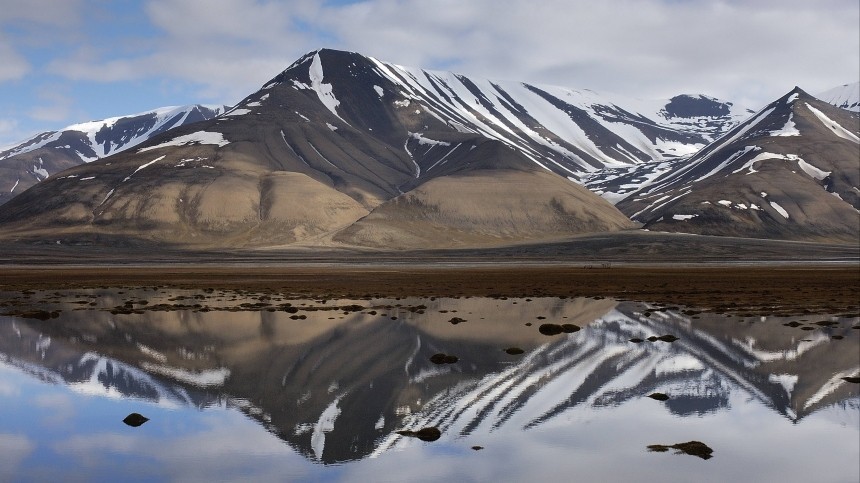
{"x": 41, "y": 11}
{"x": 8, "y": 388}
{"x": 230, "y": 48}
{"x": 55, "y": 105}
{"x": 13, "y": 449}
{"x": 60, "y": 408}
{"x": 643, "y": 48}
{"x": 27, "y": 17}
{"x": 12, "y": 65}
{"x": 219, "y": 450}
{"x": 753, "y": 51}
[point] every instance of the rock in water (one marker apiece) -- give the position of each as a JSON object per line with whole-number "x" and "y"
{"x": 550, "y": 329}
{"x": 135, "y": 419}
{"x": 692, "y": 448}
{"x": 424, "y": 434}
{"x": 442, "y": 358}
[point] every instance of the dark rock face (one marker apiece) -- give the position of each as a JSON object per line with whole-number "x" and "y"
{"x": 696, "y": 106}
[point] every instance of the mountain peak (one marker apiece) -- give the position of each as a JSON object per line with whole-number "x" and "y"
{"x": 798, "y": 90}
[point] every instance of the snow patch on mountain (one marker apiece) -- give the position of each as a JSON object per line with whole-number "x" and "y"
{"x": 750, "y": 164}
{"x": 237, "y": 112}
{"x": 811, "y": 170}
{"x": 789, "y": 129}
{"x": 324, "y": 425}
{"x": 427, "y": 141}
{"x": 779, "y": 209}
{"x": 324, "y": 91}
{"x": 830, "y": 386}
{"x": 199, "y": 137}
{"x": 731, "y": 159}
{"x": 833, "y": 125}
{"x": 203, "y": 378}
{"x": 39, "y": 171}
{"x": 143, "y": 166}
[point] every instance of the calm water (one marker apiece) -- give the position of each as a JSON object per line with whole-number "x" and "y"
{"x": 241, "y": 386}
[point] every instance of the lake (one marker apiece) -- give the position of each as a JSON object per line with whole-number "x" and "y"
{"x": 241, "y": 385}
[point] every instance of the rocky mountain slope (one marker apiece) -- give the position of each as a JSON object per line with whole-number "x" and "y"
{"x": 343, "y": 149}
{"x": 791, "y": 171}
{"x": 354, "y": 135}
{"x": 47, "y": 153}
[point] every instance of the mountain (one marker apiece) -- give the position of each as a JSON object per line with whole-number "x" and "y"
{"x": 791, "y": 171}
{"x": 845, "y": 96}
{"x": 36, "y": 158}
{"x": 339, "y": 137}
{"x": 346, "y": 150}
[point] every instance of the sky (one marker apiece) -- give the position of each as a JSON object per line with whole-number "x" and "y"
{"x": 69, "y": 61}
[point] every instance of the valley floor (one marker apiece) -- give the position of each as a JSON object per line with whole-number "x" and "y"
{"x": 745, "y": 291}
{"x": 731, "y": 275}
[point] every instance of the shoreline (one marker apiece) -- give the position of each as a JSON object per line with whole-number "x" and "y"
{"x": 779, "y": 289}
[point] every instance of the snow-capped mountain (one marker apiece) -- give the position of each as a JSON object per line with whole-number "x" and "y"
{"x": 33, "y": 160}
{"x": 568, "y": 131}
{"x": 790, "y": 171}
{"x": 435, "y": 159}
{"x": 345, "y": 149}
{"x": 845, "y": 96}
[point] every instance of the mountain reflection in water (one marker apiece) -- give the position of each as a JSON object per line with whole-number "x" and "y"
{"x": 337, "y": 384}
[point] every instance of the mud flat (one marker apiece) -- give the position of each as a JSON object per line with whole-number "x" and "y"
{"x": 771, "y": 290}
{"x": 721, "y": 274}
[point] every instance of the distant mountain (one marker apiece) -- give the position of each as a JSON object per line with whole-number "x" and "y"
{"x": 421, "y": 158}
{"x": 791, "y": 171}
{"x": 845, "y": 96}
{"x": 36, "y": 158}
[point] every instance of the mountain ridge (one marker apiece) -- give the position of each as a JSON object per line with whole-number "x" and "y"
{"x": 378, "y": 146}
{"x": 790, "y": 171}
{"x": 37, "y": 157}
